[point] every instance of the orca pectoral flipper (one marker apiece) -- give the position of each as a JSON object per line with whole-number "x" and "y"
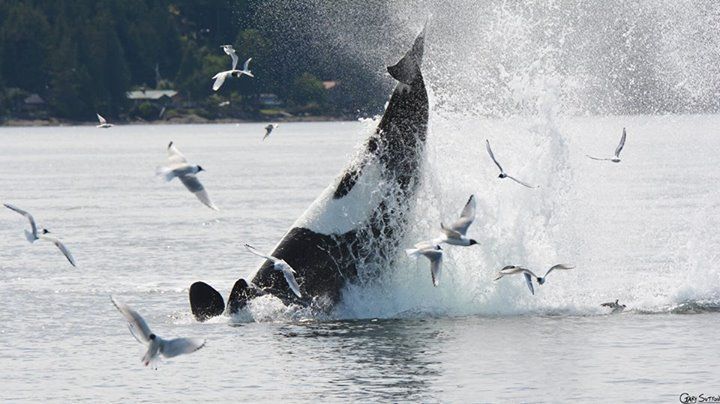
{"x": 205, "y": 302}
{"x": 240, "y": 295}
{"x": 408, "y": 68}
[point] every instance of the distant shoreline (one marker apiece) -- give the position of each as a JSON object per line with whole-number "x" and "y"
{"x": 183, "y": 120}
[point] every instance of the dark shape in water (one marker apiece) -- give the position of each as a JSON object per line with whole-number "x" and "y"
{"x": 205, "y": 301}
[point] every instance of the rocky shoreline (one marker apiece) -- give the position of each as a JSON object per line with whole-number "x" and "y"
{"x": 178, "y": 120}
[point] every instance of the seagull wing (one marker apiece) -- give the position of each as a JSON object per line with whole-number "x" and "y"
{"x": 422, "y": 245}
{"x": 138, "y": 326}
{"x": 510, "y": 270}
{"x": 27, "y": 215}
{"x": 520, "y": 182}
{"x": 450, "y": 232}
{"x": 174, "y": 155}
{"x": 492, "y": 156}
{"x": 179, "y": 346}
{"x": 192, "y": 183}
{"x": 528, "y": 281}
{"x": 466, "y": 217}
{"x": 102, "y": 120}
{"x": 247, "y": 63}
{"x": 558, "y": 266}
{"x": 268, "y": 129}
{"x": 289, "y": 274}
{"x": 514, "y": 269}
{"x": 219, "y": 80}
{"x": 435, "y": 258}
{"x": 61, "y": 247}
{"x": 621, "y": 145}
{"x": 259, "y": 254}
{"x": 608, "y": 304}
{"x": 234, "y": 58}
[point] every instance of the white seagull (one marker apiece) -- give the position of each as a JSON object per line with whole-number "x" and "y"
{"x": 33, "y": 235}
{"x": 269, "y": 129}
{"x": 220, "y": 77}
{"x": 502, "y": 172}
{"x": 456, "y": 233}
{"x": 528, "y": 274}
{"x": 177, "y": 166}
{"x": 615, "y": 306}
{"x": 282, "y": 266}
{"x": 432, "y": 252}
{"x": 156, "y": 345}
{"x": 615, "y": 159}
{"x": 103, "y": 122}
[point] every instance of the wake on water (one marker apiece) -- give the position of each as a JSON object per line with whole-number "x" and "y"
{"x": 522, "y": 74}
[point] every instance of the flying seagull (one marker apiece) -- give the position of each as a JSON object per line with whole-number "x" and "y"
{"x": 282, "y": 266}
{"x": 615, "y": 159}
{"x": 528, "y": 274}
{"x": 177, "y": 166}
{"x": 269, "y": 129}
{"x": 33, "y": 235}
{"x": 432, "y": 252}
{"x": 156, "y": 345}
{"x": 502, "y": 172}
{"x": 615, "y": 306}
{"x": 220, "y": 77}
{"x": 456, "y": 233}
{"x": 103, "y": 122}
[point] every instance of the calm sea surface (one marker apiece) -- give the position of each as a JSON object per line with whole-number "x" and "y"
{"x": 643, "y": 231}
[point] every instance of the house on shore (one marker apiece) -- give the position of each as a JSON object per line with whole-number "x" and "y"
{"x": 159, "y": 98}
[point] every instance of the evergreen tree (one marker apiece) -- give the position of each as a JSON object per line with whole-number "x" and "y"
{"x": 251, "y": 43}
{"x": 104, "y": 59}
{"x": 23, "y": 34}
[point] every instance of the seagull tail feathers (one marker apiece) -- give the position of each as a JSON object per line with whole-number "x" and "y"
{"x": 30, "y": 237}
{"x": 412, "y": 252}
{"x": 165, "y": 173}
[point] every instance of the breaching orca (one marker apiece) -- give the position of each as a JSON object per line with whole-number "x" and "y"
{"x": 356, "y": 225}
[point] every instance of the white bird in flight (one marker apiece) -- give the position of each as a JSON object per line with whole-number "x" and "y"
{"x": 33, "y": 235}
{"x": 156, "y": 345}
{"x": 269, "y": 129}
{"x": 177, "y": 166}
{"x": 456, "y": 233}
{"x": 615, "y": 159}
{"x": 432, "y": 252}
{"x": 528, "y": 274}
{"x": 220, "y": 77}
{"x": 282, "y": 266}
{"x": 103, "y": 122}
{"x": 503, "y": 174}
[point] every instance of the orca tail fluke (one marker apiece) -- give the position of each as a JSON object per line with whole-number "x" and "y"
{"x": 205, "y": 302}
{"x": 408, "y": 68}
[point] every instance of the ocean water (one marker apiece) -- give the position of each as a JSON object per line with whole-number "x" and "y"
{"x": 643, "y": 231}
